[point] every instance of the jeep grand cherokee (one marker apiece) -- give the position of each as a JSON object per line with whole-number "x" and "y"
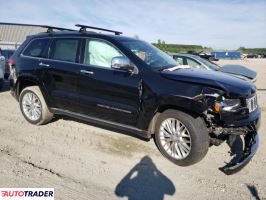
{"x": 130, "y": 84}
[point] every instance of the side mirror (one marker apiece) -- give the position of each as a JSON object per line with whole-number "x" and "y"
{"x": 122, "y": 63}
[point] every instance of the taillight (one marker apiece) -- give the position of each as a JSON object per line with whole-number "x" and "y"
{"x": 12, "y": 70}
{"x": 10, "y": 62}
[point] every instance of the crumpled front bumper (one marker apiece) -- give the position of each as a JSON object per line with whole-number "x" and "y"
{"x": 250, "y": 149}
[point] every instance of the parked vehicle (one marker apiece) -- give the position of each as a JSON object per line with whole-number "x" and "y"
{"x": 252, "y": 56}
{"x": 200, "y": 63}
{"x": 206, "y": 56}
{"x": 129, "y": 84}
{"x": 2, "y": 69}
{"x": 7, "y": 53}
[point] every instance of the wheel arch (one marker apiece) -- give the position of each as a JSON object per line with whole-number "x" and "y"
{"x": 28, "y": 81}
{"x": 163, "y": 108}
{"x": 24, "y": 82}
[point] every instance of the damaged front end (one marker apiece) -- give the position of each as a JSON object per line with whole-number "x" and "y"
{"x": 229, "y": 117}
{"x": 251, "y": 144}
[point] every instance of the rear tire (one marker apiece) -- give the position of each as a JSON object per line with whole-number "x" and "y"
{"x": 181, "y": 138}
{"x": 33, "y": 106}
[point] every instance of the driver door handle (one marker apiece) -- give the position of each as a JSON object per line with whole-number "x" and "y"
{"x": 43, "y": 65}
{"x": 86, "y": 72}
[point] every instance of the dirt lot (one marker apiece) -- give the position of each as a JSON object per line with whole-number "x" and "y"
{"x": 82, "y": 161}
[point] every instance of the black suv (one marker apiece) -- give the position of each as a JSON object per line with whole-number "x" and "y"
{"x": 129, "y": 84}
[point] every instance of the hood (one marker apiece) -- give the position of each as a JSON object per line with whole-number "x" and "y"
{"x": 239, "y": 70}
{"x": 230, "y": 84}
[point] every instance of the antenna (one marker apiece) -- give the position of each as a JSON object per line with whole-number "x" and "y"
{"x": 84, "y": 27}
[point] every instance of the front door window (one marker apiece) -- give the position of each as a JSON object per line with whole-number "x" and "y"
{"x": 100, "y": 53}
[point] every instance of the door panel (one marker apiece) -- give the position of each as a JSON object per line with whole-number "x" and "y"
{"x": 60, "y": 81}
{"x": 60, "y": 72}
{"x": 104, "y": 92}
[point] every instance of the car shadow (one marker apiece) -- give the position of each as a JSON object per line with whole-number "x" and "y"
{"x": 145, "y": 181}
{"x": 254, "y": 192}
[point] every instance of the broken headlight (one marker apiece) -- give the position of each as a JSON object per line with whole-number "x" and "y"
{"x": 227, "y": 105}
{"x": 230, "y": 104}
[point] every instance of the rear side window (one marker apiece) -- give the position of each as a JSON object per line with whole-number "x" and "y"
{"x": 64, "y": 49}
{"x": 36, "y": 48}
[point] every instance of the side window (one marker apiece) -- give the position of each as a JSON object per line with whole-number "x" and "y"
{"x": 99, "y": 53}
{"x": 36, "y": 48}
{"x": 193, "y": 64}
{"x": 180, "y": 60}
{"x": 64, "y": 49}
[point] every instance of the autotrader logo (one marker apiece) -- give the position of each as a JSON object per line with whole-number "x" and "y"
{"x": 26, "y": 193}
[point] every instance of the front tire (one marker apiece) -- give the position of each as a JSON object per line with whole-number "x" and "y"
{"x": 33, "y": 106}
{"x": 181, "y": 138}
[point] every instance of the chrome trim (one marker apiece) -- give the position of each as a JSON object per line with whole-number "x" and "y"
{"x": 43, "y": 64}
{"x": 74, "y": 37}
{"x": 68, "y": 62}
{"x": 175, "y": 138}
{"x": 114, "y": 108}
{"x": 86, "y": 72}
{"x": 252, "y": 103}
{"x": 31, "y": 106}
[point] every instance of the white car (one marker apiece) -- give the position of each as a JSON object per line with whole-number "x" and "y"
{"x": 2, "y": 70}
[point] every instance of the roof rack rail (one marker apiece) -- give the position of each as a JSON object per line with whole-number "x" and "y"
{"x": 49, "y": 28}
{"x": 84, "y": 27}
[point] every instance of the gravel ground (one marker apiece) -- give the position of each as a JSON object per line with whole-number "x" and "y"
{"x": 82, "y": 161}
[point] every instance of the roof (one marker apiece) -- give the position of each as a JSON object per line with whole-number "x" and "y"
{"x": 82, "y": 34}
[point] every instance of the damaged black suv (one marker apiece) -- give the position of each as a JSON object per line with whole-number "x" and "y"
{"x": 129, "y": 84}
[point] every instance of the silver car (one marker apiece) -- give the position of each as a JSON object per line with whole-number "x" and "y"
{"x": 195, "y": 61}
{"x": 2, "y": 70}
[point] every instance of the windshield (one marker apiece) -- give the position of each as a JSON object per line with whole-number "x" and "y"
{"x": 152, "y": 56}
{"x": 209, "y": 64}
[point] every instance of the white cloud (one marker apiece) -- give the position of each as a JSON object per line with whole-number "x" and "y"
{"x": 219, "y": 24}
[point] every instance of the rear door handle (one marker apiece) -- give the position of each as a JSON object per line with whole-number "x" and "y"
{"x": 44, "y": 65}
{"x": 86, "y": 72}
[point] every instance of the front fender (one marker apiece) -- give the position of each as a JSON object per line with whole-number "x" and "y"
{"x": 186, "y": 104}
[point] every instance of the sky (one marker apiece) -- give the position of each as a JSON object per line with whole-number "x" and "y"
{"x": 225, "y": 24}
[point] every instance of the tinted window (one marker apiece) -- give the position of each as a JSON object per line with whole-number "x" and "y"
{"x": 64, "y": 49}
{"x": 36, "y": 48}
{"x": 100, "y": 53}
